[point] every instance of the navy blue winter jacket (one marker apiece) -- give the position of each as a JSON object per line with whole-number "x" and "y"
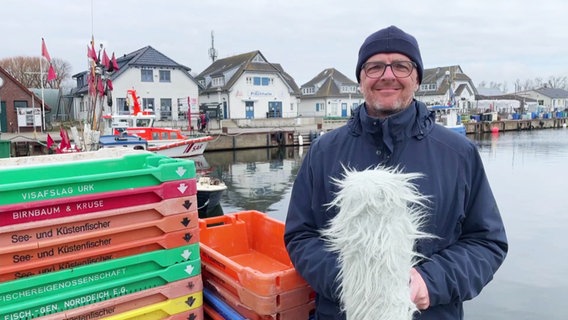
{"x": 472, "y": 242}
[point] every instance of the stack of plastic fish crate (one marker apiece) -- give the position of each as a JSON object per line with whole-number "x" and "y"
{"x": 109, "y": 234}
{"x": 246, "y": 271}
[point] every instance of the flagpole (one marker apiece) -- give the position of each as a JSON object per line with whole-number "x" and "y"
{"x": 42, "y": 98}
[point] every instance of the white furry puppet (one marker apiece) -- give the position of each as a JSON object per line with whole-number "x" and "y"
{"x": 374, "y": 233}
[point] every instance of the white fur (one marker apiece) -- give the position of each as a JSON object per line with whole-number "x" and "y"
{"x": 374, "y": 233}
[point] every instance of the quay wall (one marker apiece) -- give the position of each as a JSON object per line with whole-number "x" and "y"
{"x": 514, "y": 125}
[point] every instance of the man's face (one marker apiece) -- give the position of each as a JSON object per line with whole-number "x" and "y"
{"x": 388, "y": 94}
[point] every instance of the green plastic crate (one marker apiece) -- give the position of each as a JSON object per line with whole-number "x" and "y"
{"x": 60, "y": 180}
{"x": 71, "y": 295}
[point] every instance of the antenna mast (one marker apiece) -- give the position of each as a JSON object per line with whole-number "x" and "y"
{"x": 212, "y": 50}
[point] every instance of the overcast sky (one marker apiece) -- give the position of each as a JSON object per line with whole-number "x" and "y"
{"x": 498, "y": 41}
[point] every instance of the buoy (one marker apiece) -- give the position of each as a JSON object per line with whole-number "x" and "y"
{"x": 494, "y": 130}
{"x": 300, "y": 140}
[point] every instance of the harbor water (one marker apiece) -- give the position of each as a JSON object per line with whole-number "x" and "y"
{"x": 527, "y": 171}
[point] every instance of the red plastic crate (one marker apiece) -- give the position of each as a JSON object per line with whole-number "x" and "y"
{"x": 248, "y": 246}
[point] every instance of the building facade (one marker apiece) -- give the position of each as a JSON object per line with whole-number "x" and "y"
{"x": 162, "y": 85}
{"x": 445, "y": 86}
{"x": 329, "y": 94}
{"x": 247, "y": 86}
{"x": 20, "y": 109}
{"x": 547, "y": 99}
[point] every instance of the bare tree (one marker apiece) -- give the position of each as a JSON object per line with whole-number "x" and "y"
{"x": 31, "y": 71}
{"x": 557, "y": 82}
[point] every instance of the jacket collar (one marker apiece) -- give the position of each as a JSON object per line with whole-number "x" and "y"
{"x": 414, "y": 121}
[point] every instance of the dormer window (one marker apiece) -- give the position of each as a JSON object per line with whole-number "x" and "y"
{"x": 217, "y": 82}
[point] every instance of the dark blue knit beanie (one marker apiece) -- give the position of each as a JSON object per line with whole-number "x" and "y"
{"x": 390, "y": 40}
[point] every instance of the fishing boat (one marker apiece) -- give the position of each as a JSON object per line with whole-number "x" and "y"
{"x": 209, "y": 192}
{"x": 448, "y": 117}
{"x": 171, "y": 142}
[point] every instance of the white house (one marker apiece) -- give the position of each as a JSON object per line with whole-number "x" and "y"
{"x": 548, "y": 99}
{"x": 247, "y": 86}
{"x": 329, "y": 94}
{"x": 161, "y": 84}
{"x": 444, "y": 85}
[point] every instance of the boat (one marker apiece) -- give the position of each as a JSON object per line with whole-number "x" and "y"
{"x": 171, "y": 142}
{"x": 448, "y": 117}
{"x": 122, "y": 141}
{"x": 209, "y": 192}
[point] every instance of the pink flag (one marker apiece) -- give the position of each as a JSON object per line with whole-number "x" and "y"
{"x": 91, "y": 53}
{"x": 44, "y": 52}
{"x": 106, "y": 60}
{"x": 114, "y": 63}
{"x": 91, "y": 82}
{"x": 109, "y": 84}
{"x": 100, "y": 87}
{"x": 49, "y": 141}
{"x": 51, "y": 73}
{"x": 65, "y": 141}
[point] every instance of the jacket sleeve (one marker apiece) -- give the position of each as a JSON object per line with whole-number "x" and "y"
{"x": 460, "y": 271}
{"x": 304, "y": 219}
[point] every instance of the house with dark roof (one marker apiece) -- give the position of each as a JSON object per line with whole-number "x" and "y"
{"x": 548, "y": 99}
{"x": 247, "y": 86}
{"x": 329, "y": 94}
{"x": 443, "y": 85}
{"x": 20, "y": 109}
{"x": 162, "y": 85}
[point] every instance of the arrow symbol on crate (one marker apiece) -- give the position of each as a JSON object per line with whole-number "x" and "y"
{"x": 192, "y": 317}
{"x": 185, "y": 222}
{"x": 190, "y": 285}
{"x": 186, "y": 254}
{"x": 180, "y": 171}
{"x": 187, "y": 204}
{"x": 187, "y": 237}
{"x": 189, "y": 269}
{"x": 182, "y": 187}
{"x": 190, "y": 301}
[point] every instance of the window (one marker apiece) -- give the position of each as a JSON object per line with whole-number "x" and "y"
{"x": 308, "y": 90}
{"x": 20, "y": 104}
{"x": 165, "y": 76}
{"x": 148, "y": 103}
{"x": 217, "y": 82}
{"x": 166, "y": 109}
{"x": 122, "y": 106}
{"x": 147, "y": 75}
{"x": 261, "y": 81}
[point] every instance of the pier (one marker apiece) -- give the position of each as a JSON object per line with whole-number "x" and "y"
{"x": 268, "y": 133}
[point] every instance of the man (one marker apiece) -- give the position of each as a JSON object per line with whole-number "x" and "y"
{"x": 392, "y": 129}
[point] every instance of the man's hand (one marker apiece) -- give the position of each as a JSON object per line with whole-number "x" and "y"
{"x": 418, "y": 290}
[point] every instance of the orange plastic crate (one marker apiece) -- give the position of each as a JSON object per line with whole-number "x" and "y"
{"x": 248, "y": 246}
{"x": 258, "y": 303}
{"x": 302, "y": 312}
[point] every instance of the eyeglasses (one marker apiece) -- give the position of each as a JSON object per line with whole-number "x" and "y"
{"x": 400, "y": 69}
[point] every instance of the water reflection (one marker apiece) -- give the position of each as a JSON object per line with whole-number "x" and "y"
{"x": 527, "y": 173}
{"x": 256, "y": 179}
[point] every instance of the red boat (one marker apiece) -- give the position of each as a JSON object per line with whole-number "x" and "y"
{"x": 167, "y": 141}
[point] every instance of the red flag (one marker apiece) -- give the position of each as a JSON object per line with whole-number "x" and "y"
{"x": 49, "y": 141}
{"x": 106, "y": 60}
{"x": 91, "y": 53}
{"x": 109, "y": 84}
{"x": 65, "y": 142}
{"x": 100, "y": 87}
{"x": 51, "y": 73}
{"x": 91, "y": 82}
{"x": 114, "y": 63}
{"x": 44, "y": 52}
